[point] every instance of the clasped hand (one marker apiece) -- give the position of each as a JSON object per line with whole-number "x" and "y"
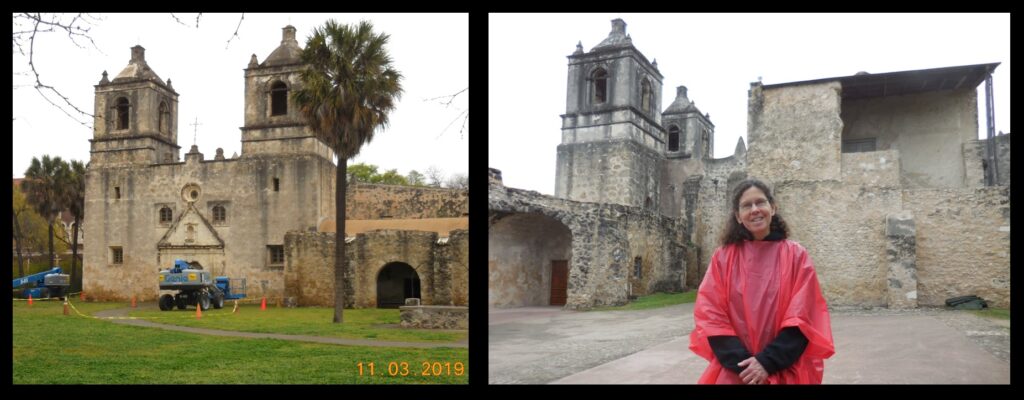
{"x": 753, "y": 372}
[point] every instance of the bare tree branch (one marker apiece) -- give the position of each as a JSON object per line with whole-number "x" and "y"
{"x": 52, "y": 23}
{"x": 448, "y": 103}
{"x": 235, "y": 35}
{"x": 179, "y": 21}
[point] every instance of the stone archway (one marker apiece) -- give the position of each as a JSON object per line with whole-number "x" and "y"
{"x": 529, "y": 255}
{"x": 396, "y": 282}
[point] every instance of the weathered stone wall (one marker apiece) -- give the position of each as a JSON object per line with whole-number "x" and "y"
{"x": 843, "y": 229}
{"x": 794, "y": 132}
{"x": 441, "y": 267}
{"x": 309, "y": 268}
{"x": 440, "y": 225}
{"x": 606, "y": 238}
{"x": 974, "y": 163}
{"x": 374, "y": 250}
{"x": 619, "y": 172}
{"x": 370, "y": 201}
{"x": 712, "y": 208}
{"x": 875, "y": 168}
{"x": 452, "y": 287}
{"x": 434, "y": 317}
{"x": 963, "y": 243}
{"x": 256, "y": 216}
{"x": 674, "y": 174}
{"x": 927, "y": 129}
{"x": 975, "y": 152}
{"x": 1003, "y": 159}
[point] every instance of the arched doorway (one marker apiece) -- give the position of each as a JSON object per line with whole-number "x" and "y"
{"x": 528, "y": 261}
{"x": 396, "y": 282}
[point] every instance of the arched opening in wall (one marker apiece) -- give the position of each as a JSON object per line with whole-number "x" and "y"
{"x": 163, "y": 123}
{"x": 529, "y": 261}
{"x": 645, "y": 95}
{"x": 396, "y": 282}
{"x": 647, "y": 203}
{"x": 122, "y": 113}
{"x": 278, "y": 98}
{"x": 600, "y": 78}
{"x": 673, "y": 138}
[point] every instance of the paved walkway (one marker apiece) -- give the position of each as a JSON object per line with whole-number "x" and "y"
{"x": 548, "y": 345}
{"x": 123, "y": 312}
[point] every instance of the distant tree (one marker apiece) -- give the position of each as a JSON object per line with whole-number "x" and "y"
{"x": 362, "y": 172}
{"x": 391, "y": 177}
{"x": 348, "y": 89}
{"x": 415, "y": 178}
{"x": 43, "y": 186}
{"x": 74, "y": 202}
{"x": 435, "y": 177}
{"x": 29, "y": 228}
{"x": 457, "y": 181}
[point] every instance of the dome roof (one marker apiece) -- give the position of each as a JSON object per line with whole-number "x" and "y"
{"x": 287, "y": 53}
{"x": 137, "y": 69}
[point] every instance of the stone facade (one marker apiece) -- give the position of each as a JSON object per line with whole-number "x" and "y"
{"x": 440, "y": 264}
{"x": 258, "y": 216}
{"x": 878, "y": 176}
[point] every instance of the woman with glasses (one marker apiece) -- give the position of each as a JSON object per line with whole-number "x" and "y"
{"x": 760, "y": 317}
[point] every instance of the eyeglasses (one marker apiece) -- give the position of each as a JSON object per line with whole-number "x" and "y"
{"x": 762, "y": 204}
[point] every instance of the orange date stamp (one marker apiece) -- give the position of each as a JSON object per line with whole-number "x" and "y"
{"x": 405, "y": 368}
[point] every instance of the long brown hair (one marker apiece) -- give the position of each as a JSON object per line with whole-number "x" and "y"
{"x": 734, "y": 231}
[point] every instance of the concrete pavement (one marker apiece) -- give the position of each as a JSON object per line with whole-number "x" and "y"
{"x": 548, "y": 345}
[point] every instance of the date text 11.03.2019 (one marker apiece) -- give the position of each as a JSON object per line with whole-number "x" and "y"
{"x": 404, "y": 368}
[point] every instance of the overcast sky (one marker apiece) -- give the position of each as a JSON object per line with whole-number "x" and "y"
{"x": 716, "y": 56}
{"x": 431, "y": 51}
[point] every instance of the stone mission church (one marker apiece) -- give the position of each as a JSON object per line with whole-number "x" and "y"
{"x": 880, "y": 176}
{"x": 259, "y": 215}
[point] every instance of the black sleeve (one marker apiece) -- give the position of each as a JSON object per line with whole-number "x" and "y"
{"x": 730, "y": 351}
{"x": 783, "y": 351}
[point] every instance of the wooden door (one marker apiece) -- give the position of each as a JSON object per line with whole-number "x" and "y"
{"x": 559, "y": 281}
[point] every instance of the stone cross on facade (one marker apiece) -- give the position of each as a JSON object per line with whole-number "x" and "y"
{"x": 195, "y": 128}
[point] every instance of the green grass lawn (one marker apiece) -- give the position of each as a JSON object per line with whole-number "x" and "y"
{"x": 654, "y": 301}
{"x": 366, "y": 323}
{"x": 996, "y": 313}
{"x": 52, "y": 348}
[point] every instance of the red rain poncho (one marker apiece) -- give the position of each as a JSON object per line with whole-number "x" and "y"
{"x": 752, "y": 290}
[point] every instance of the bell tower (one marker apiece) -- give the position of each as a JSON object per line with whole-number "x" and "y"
{"x": 612, "y": 138}
{"x": 273, "y": 124}
{"x": 136, "y": 117}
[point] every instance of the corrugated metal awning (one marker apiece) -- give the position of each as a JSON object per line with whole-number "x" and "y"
{"x": 906, "y": 82}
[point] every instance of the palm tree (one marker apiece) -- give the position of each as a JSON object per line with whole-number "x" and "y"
{"x": 348, "y": 88}
{"x": 74, "y": 201}
{"x": 43, "y": 185}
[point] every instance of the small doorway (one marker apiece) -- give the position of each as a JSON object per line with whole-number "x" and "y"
{"x": 559, "y": 281}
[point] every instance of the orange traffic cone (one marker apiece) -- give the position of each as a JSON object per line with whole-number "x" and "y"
{"x": 66, "y": 307}
{"x": 30, "y": 299}
{"x": 199, "y": 310}
{"x": 263, "y": 305}
{"x": 133, "y": 301}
